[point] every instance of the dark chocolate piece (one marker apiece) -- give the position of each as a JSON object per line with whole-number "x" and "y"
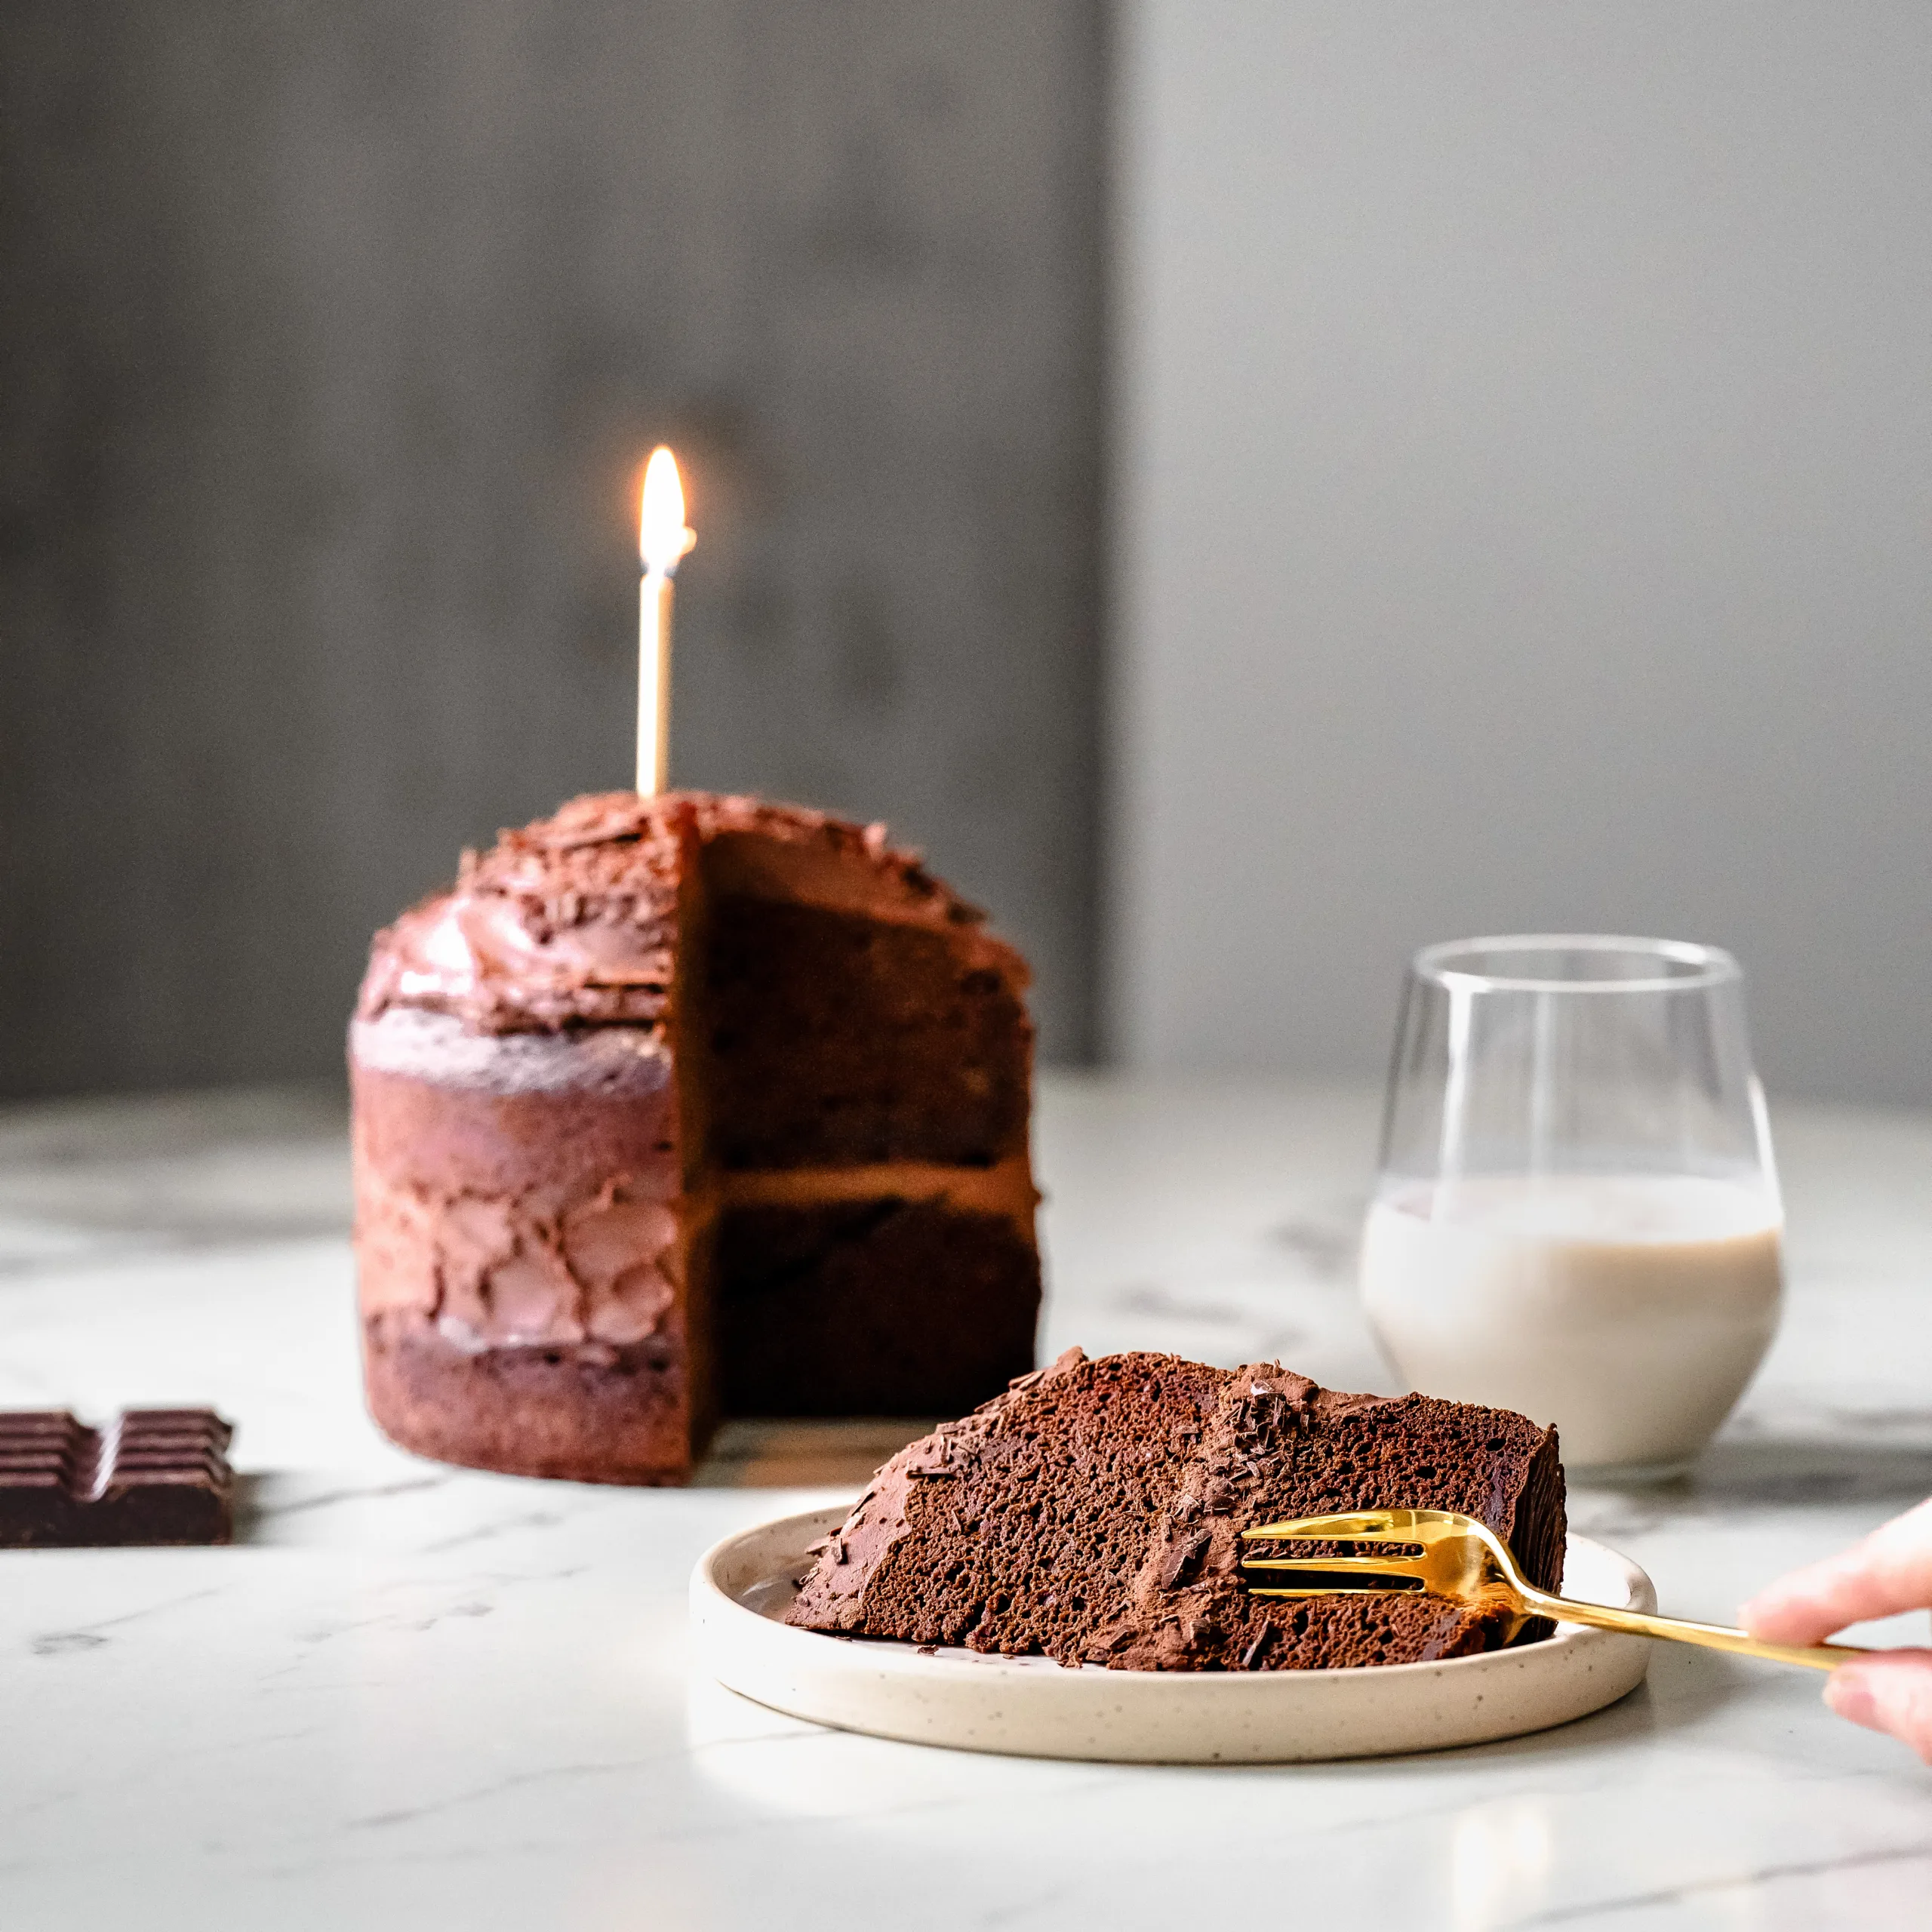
{"x": 152, "y": 1476}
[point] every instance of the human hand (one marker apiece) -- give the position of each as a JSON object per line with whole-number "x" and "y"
{"x": 1890, "y": 1571}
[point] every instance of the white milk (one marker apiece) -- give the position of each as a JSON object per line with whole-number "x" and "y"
{"x": 1629, "y": 1310}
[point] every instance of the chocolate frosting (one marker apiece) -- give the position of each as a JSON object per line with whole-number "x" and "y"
{"x": 573, "y": 921}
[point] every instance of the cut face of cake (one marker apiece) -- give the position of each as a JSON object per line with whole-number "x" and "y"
{"x": 1093, "y": 1513}
{"x": 680, "y": 1106}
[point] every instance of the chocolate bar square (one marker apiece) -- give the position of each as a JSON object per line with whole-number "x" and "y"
{"x": 151, "y": 1476}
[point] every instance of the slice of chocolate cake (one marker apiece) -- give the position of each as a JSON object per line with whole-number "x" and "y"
{"x": 684, "y": 1106}
{"x": 1092, "y": 1514}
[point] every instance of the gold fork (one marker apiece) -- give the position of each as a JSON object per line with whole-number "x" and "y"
{"x": 1465, "y": 1561}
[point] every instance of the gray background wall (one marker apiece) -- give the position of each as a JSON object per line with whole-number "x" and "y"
{"x": 1526, "y": 510}
{"x": 1522, "y": 461}
{"x": 332, "y": 337}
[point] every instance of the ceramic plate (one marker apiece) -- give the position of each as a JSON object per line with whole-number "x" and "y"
{"x": 1033, "y": 1707}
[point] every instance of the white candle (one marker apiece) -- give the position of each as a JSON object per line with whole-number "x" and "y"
{"x": 662, "y": 542}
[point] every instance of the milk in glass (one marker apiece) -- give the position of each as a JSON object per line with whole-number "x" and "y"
{"x": 1630, "y": 1310}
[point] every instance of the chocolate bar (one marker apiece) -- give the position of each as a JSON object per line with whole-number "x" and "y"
{"x": 151, "y": 1476}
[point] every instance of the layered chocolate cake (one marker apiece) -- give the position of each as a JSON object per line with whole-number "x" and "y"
{"x": 684, "y": 1106}
{"x": 1093, "y": 1513}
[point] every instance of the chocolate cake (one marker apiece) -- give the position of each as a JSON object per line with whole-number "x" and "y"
{"x": 685, "y": 1106}
{"x": 1092, "y": 1513}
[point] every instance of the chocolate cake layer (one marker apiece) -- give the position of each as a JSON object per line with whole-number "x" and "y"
{"x": 1093, "y": 1515}
{"x": 929, "y": 1307}
{"x": 152, "y": 1476}
{"x": 836, "y": 1040}
{"x": 511, "y": 1218}
{"x": 586, "y": 1412}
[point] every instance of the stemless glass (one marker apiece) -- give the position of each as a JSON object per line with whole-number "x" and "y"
{"x": 1577, "y": 1215}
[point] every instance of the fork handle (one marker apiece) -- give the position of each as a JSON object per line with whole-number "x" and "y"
{"x": 1711, "y": 1636}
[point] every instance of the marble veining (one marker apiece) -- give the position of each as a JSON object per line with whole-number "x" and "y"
{"x": 416, "y": 1696}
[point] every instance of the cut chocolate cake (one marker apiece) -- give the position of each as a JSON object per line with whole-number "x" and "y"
{"x": 684, "y": 1106}
{"x": 1092, "y": 1513}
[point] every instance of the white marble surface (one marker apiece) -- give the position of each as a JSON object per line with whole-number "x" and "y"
{"x": 417, "y": 1697}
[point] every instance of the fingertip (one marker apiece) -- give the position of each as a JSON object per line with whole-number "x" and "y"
{"x": 1849, "y": 1696}
{"x": 1773, "y": 1618}
{"x": 1888, "y": 1690}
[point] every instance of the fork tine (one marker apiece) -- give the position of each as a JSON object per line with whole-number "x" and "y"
{"x": 1356, "y": 1526}
{"x": 1340, "y": 1575}
{"x": 1378, "y": 1566}
{"x": 1330, "y": 1589}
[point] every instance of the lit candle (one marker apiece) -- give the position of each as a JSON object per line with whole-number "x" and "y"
{"x": 662, "y": 542}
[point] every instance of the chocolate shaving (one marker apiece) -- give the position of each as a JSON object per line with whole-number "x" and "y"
{"x": 1182, "y": 1559}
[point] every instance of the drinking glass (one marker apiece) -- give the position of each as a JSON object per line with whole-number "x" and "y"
{"x": 1577, "y": 1213}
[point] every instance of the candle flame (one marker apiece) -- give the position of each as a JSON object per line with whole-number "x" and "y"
{"x": 662, "y": 538}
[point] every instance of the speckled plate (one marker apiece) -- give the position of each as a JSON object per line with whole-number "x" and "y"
{"x": 1032, "y": 1708}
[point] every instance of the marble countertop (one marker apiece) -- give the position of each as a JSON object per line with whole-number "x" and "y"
{"x": 416, "y": 1696}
